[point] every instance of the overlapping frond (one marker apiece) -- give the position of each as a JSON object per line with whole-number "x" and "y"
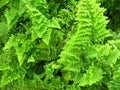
{"x": 41, "y": 26}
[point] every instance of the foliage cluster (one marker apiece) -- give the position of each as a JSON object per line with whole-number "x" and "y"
{"x": 59, "y": 45}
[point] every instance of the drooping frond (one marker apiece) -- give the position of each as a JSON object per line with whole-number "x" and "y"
{"x": 41, "y": 26}
{"x": 20, "y": 45}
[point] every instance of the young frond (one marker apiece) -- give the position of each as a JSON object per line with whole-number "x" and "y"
{"x": 91, "y": 29}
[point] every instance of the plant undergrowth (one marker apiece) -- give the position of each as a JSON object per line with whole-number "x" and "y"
{"x": 59, "y": 45}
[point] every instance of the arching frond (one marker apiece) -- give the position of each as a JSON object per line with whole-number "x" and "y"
{"x": 91, "y": 29}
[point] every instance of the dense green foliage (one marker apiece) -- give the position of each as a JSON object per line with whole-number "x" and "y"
{"x": 59, "y": 45}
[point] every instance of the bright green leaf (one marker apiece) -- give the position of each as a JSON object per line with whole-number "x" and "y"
{"x": 92, "y": 75}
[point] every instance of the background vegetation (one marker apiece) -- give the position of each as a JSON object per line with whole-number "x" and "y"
{"x": 59, "y": 44}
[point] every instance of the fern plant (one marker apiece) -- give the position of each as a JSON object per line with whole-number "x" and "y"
{"x": 86, "y": 54}
{"x": 57, "y": 45}
{"x": 19, "y": 45}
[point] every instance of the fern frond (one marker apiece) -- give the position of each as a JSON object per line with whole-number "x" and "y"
{"x": 12, "y": 74}
{"x": 4, "y": 62}
{"x": 20, "y": 45}
{"x": 114, "y": 84}
{"x": 10, "y": 16}
{"x": 92, "y": 75}
{"x": 94, "y": 16}
{"x": 3, "y": 2}
{"x": 91, "y": 29}
{"x": 113, "y": 57}
{"x": 42, "y": 27}
{"x": 43, "y": 52}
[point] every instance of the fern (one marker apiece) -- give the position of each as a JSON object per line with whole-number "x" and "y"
{"x": 90, "y": 30}
{"x": 93, "y": 75}
{"x": 3, "y": 2}
{"x": 41, "y": 26}
{"x": 27, "y": 39}
{"x": 90, "y": 35}
{"x": 10, "y": 76}
{"x": 114, "y": 84}
{"x": 57, "y": 45}
{"x": 20, "y": 45}
{"x": 10, "y": 15}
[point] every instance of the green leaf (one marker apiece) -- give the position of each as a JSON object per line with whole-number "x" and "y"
{"x": 22, "y": 7}
{"x": 34, "y": 35}
{"x": 4, "y": 62}
{"x": 22, "y": 49}
{"x": 8, "y": 77}
{"x": 11, "y": 75}
{"x": 114, "y": 84}
{"x": 111, "y": 59}
{"x": 92, "y": 75}
{"x": 47, "y": 36}
{"x": 31, "y": 59}
{"x": 98, "y": 50}
{"x": 20, "y": 45}
{"x": 3, "y": 2}
{"x": 10, "y": 43}
{"x": 54, "y": 23}
{"x": 10, "y": 15}
{"x": 3, "y": 30}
